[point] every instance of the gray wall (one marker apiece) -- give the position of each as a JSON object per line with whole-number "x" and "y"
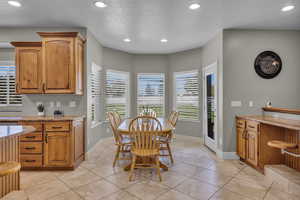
{"x": 242, "y": 83}
{"x": 186, "y": 61}
{"x": 29, "y": 101}
{"x": 212, "y": 52}
{"x": 150, "y": 64}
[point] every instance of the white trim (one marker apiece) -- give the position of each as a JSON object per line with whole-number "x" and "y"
{"x": 175, "y": 95}
{"x": 227, "y": 155}
{"x": 210, "y": 69}
{"x": 164, "y": 86}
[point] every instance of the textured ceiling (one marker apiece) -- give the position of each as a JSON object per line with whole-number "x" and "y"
{"x": 147, "y": 21}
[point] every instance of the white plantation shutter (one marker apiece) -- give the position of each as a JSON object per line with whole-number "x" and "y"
{"x": 117, "y": 92}
{"x": 187, "y": 95}
{"x": 95, "y": 84}
{"x": 151, "y": 93}
{"x": 8, "y": 96}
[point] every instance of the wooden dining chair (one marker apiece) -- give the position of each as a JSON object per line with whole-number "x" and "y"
{"x": 144, "y": 131}
{"x": 165, "y": 140}
{"x": 173, "y": 118}
{"x": 148, "y": 113}
{"x": 123, "y": 143}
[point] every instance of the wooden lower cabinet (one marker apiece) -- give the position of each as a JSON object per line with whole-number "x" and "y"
{"x": 247, "y": 141}
{"x": 252, "y": 148}
{"x": 241, "y": 142}
{"x": 54, "y": 145}
{"x": 57, "y": 149}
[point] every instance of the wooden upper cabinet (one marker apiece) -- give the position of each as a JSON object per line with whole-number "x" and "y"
{"x": 29, "y": 67}
{"x": 62, "y": 62}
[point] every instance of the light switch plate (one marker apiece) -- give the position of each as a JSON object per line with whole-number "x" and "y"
{"x": 72, "y": 104}
{"x": 236, "y": 104}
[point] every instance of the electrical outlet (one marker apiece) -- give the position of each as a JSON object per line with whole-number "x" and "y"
{"x": 51, "y": 104}
{"x": 58, "y": 104}
{"x": 250, "y": 103}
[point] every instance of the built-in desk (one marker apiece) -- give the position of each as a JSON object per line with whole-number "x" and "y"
{"x": 253, "y": 134}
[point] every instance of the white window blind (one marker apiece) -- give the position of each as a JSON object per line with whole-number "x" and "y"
{"x": 117, "y": 92}
{"x": 95, "y": 87}
{"x": 186, "y": 92}
{"x": 151, "y": 93}
{"x": 8, "y": 96}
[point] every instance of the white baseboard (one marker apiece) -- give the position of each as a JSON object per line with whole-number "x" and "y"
{"x": 227, "y": 155}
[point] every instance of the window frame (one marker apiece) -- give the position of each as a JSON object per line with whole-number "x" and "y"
{"x": 128, "y": 105}
{"x": 11, "y": 63}
{"x": 175, "y": 93}
{"x": 164, "y": 86}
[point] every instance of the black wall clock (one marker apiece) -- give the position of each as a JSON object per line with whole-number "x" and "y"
{"x": 268, "y": 64}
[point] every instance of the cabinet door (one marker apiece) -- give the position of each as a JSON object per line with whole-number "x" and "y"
{"x": 29, "y": 70}
{"x": 57, "y": 149}
{"x": 58, "y": 64}
{"x": 252, "y": 148}
{"x": 241, "y": 142}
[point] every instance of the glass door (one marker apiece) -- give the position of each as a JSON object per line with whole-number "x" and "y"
{"x": 210, "y": 106}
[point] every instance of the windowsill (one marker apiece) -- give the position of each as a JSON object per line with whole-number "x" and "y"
{"x": 96, "y": 124}
{"x": 193, "y": 121}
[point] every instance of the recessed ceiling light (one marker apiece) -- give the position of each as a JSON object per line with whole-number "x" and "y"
{"x": 194, "y": 6}
{"x": 287, "y": 8}
{"x": 127, "y": 40}
{"x": 163, "y": 40}
{"x": 14, "y": 3}
{"x": 100, "y": 4}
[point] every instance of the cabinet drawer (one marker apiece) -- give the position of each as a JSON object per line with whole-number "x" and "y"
{"x": 31, "y": 147}
{"x": 31, "y": 160}
{"x": 31, "y": 137}
{"x": 57, "y": 126}
{"x": 240, "y": 123}
{"x": 37, "y": 125}
{"x": 252, "y": 126}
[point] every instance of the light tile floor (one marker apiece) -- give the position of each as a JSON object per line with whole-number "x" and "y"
{"x": 196, "y": 175}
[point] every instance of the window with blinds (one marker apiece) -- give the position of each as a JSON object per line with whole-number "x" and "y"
{"x": 8, "y": 96}
{"x": 95, "y": 87}
{"x": 186, "y": 91}
{"x": 117, "y": 92}
{"x": 151, "y": 93}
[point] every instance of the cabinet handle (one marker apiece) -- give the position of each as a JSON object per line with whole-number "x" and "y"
{"x": 31, "y": 161}
{"x": 251, "y": 126}
{"x": 30, "y": 148}
{"x": 30, "y": 137}
{"x": 56, "y": 127}
{"x": 44, "y": 87}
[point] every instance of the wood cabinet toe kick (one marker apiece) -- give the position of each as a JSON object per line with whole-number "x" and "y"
{"x": 53, "y": 145}
{"x": 253, "y": 135}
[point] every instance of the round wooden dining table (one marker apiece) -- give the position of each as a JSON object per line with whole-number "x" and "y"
{"x": 167, "y": 128}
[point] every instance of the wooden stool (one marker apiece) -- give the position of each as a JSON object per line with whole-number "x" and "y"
{"x": 10, "y": 167}
{"x": 283, "y": 146}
